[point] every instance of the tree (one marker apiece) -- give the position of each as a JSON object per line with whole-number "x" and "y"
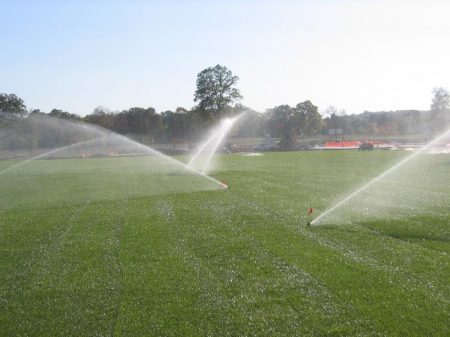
{"x": 309, "y": 119}
{"x": 10, "y": 103}
{"x": 181, "y": 110}
{"x": 440, "y": 108}
{"x": 279, "y": 124}
{"x": 253, "y": 124}
{"x": 175, "y": 125}
{"x": 58, "y": 113}
{"x": 334, "y": 119}
{"x": 441, "y": 99}
{"x": 216, "y": 90}
{"x": 101, "y": 116}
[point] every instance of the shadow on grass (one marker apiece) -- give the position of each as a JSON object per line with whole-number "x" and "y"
{"x": 427, "y": 231}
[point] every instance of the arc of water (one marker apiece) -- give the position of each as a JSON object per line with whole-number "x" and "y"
{"x": 381, "y": 176}
{"x": 105, "y": 134}
{"x": 43, "y": 155}
{"x": 212, "y": 142}
{"x": 172, "y": 160}
{"x": 209, "y": 147}
{"x": 150, "y": 150}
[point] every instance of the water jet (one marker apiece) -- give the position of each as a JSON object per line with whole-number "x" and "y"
{"x": 401, "y": 164}
{"x": 201, "y": 159}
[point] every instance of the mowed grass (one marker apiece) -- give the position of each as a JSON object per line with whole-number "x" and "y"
{"x": 120, "y": 247}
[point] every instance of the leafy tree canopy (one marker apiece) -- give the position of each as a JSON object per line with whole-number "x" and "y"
{"x": 11, "y": 103}
{"x": 441, "y": 100}
{"x": 216, "y": 89}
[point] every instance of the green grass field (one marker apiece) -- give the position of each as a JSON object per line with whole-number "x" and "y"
{"x": 116, "y": 247}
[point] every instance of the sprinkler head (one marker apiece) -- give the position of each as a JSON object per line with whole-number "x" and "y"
{"x": 224, "y": 185}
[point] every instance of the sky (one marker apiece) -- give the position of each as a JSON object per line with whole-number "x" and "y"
{"x": 355, "y": 55}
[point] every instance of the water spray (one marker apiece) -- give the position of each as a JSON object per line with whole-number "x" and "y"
{"x": 201, "y": 159}
{"x": 98, "y": 134}
{"x": 46, "y": 154}
{"x": 379, "y": 177}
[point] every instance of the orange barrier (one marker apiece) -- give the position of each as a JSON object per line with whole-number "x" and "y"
{"x": 343, "y": 144}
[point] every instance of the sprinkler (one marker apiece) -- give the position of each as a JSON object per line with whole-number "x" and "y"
{"x": 310, "y": 212}
{"x": 382, "y": 176}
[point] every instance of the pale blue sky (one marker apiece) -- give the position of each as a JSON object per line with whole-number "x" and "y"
{"x": 356, "y": 55}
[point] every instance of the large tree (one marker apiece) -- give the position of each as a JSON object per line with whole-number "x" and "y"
{"x": 308, "y": 118}
{"x": 10, "y": 103}
{"x": 216, "y": 90}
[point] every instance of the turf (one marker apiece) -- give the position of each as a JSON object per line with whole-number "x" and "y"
{"x": 113, "y": 247}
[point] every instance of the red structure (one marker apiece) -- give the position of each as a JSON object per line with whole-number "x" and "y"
{"x": 344, "y": 144}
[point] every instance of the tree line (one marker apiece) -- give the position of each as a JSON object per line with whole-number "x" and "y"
{"x": 217, "y": 96}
